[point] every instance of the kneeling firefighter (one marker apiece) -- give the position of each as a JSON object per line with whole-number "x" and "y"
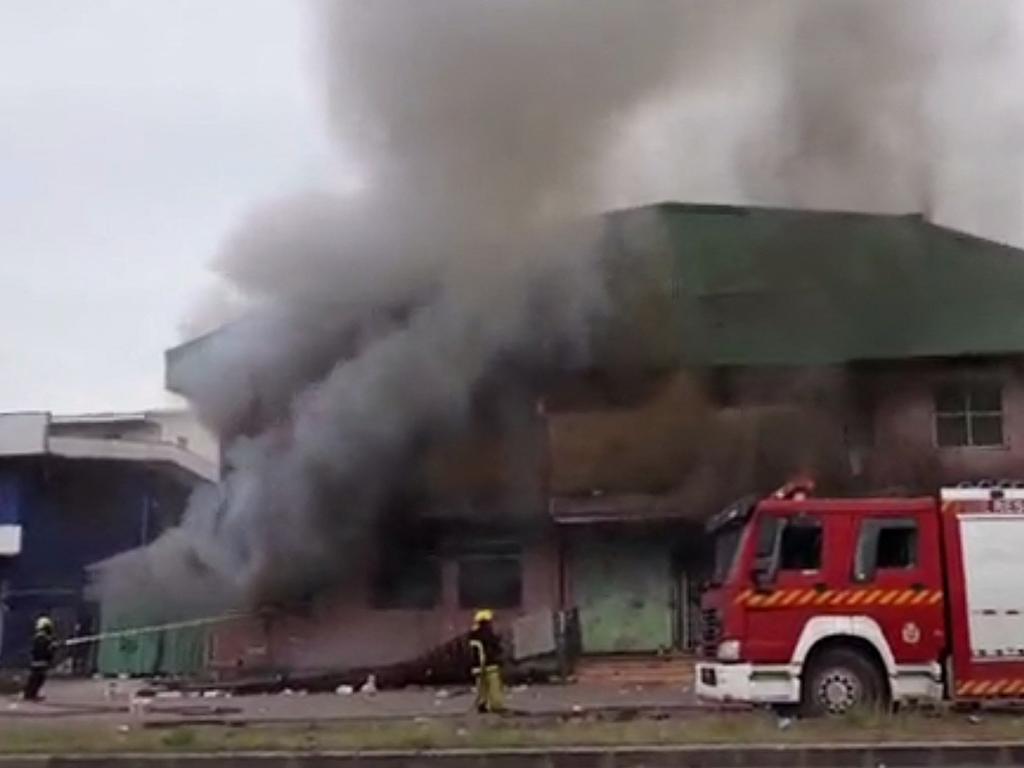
{"x": 485, "y": 646}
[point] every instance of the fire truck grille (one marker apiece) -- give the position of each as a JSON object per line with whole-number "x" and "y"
{"x": 710, "y": 632}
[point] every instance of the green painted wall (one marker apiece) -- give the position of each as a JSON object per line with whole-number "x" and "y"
{"x": 622, "y": 586}
{"x": 176, "y": 652}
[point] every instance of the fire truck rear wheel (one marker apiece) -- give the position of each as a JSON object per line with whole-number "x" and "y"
{"x": 840, "y": 681}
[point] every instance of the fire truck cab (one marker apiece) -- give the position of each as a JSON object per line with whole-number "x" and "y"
{"x": 834, "y": 604}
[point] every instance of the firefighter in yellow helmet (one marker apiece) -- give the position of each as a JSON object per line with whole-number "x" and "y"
{"x": 43, "y": 647}
{"x": 485, "y": 646}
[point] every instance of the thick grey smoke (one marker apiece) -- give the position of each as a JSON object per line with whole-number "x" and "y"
{"x": 876, "y": 105}
{"x": 477, "y": 128}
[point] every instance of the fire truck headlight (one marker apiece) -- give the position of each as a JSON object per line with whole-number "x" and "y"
{"x": 729, "y": 650}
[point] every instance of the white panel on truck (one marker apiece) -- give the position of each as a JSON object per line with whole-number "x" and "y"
{"x": 993, "y": 555}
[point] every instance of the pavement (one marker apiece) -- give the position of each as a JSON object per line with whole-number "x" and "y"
{"x": 102, "y": 700}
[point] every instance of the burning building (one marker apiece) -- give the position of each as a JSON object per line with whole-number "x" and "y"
{"x": 463, "y": 386}
{"x": 740, "y": 346}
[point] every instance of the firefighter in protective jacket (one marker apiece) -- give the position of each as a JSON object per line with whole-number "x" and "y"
{"x": 43, "y": 648}
{"x": 485, "y": 646}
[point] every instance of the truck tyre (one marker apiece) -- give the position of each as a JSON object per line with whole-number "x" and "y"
{"x": 839, "y": 681}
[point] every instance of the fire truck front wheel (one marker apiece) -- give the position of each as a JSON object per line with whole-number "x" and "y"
{"x": 840, "y": 680}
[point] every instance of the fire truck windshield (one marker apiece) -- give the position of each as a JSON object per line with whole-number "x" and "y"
{"x": 727, "y": 545}
{"x": 727, "y": 530}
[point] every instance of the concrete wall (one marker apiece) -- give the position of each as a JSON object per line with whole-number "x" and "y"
{"x": 345, "y": 631}
{"x": 904, "y": 449}
{"x": 184, "y": 429}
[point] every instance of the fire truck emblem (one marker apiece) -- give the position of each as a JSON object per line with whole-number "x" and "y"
{"x": 911, "y": 633}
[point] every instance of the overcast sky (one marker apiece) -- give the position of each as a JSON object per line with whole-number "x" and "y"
{"x": 132, "y": 135}
{"x": 135, "y": 133}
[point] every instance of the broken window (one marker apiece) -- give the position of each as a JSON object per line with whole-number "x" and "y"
{"x": 800, "y": 546}
{"x": 414, "y": 584}
{"x": 491, "y": 576}
{"x": 408, "y": 574}
{"x": 969, "y": 414}
{"x": 886, "y": 544}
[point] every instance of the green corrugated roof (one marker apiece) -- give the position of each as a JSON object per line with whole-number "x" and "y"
{"x": 717, "y": 285}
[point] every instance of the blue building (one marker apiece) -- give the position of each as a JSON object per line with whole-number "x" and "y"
{"x": 77, "y": 490}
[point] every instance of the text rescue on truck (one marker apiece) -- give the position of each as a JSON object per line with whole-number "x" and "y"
{"x": 835, "y": 604}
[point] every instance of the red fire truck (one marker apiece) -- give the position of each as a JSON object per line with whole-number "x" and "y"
{"x": 834, "y": 604}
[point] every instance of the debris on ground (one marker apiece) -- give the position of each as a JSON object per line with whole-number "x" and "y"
{"x": 344, "y": 690}
{"x": 975, "y": 720}
{"x": 370, "y": 686}
{"x": 785, "y": 723}
{"x": 442, "y": 693}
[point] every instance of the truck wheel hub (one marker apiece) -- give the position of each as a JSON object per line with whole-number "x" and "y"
{"x": 839, "y": 691}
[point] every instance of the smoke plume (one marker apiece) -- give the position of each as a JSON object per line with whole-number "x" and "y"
{"x": 484, "y": 132}
{"x": 477, "y": 128}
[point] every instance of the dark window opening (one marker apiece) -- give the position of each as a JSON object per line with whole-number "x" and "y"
{"x": 490, "y": 579}
{"x": 886, "y": 544}
{"x": 969, "y": 414}
{"x": 408, "y": 574}
{"x": 413, "y": 584}
{"x": 800, "y": 547}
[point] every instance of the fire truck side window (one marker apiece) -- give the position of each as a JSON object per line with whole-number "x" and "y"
{"x": 886, "y": 544}
{"x": 800, "y": 547}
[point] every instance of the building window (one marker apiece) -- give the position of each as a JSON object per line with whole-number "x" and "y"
{"x": 969, "y": 414}
{"x": 408, "y": 574}
{"x": 491, "y": 577}
{"x": 409, "y": 583}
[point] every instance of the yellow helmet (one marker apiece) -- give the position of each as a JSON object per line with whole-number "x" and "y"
{"x": 484, "y": 614}
{"x": 44, "y": 624}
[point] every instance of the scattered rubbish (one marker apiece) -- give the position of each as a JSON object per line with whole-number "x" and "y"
{"x": 123, "y": 676}
{"x": 421, "y": 719}
{"x": 344, "y": 690}
{"x": 520, "y": 688}
{"x": 288, "y": 692}
{"x": 974, "y": 719}
{"x": 444, "y": 693}
{"x": 213, "y": 694}
{"x": 123, "y": 729}
{"x": 461, "y": 732}
{"x": 370, "y": 686}
{"x": 13, "y": 705}
{"x": 577, "y": 709}
{"x": 169, "y": 694}
{"x": 137, "y": 705}
{"x": 785, "y": 723}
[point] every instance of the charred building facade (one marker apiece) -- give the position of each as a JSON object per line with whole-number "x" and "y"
{"x": 740, "y": 346}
